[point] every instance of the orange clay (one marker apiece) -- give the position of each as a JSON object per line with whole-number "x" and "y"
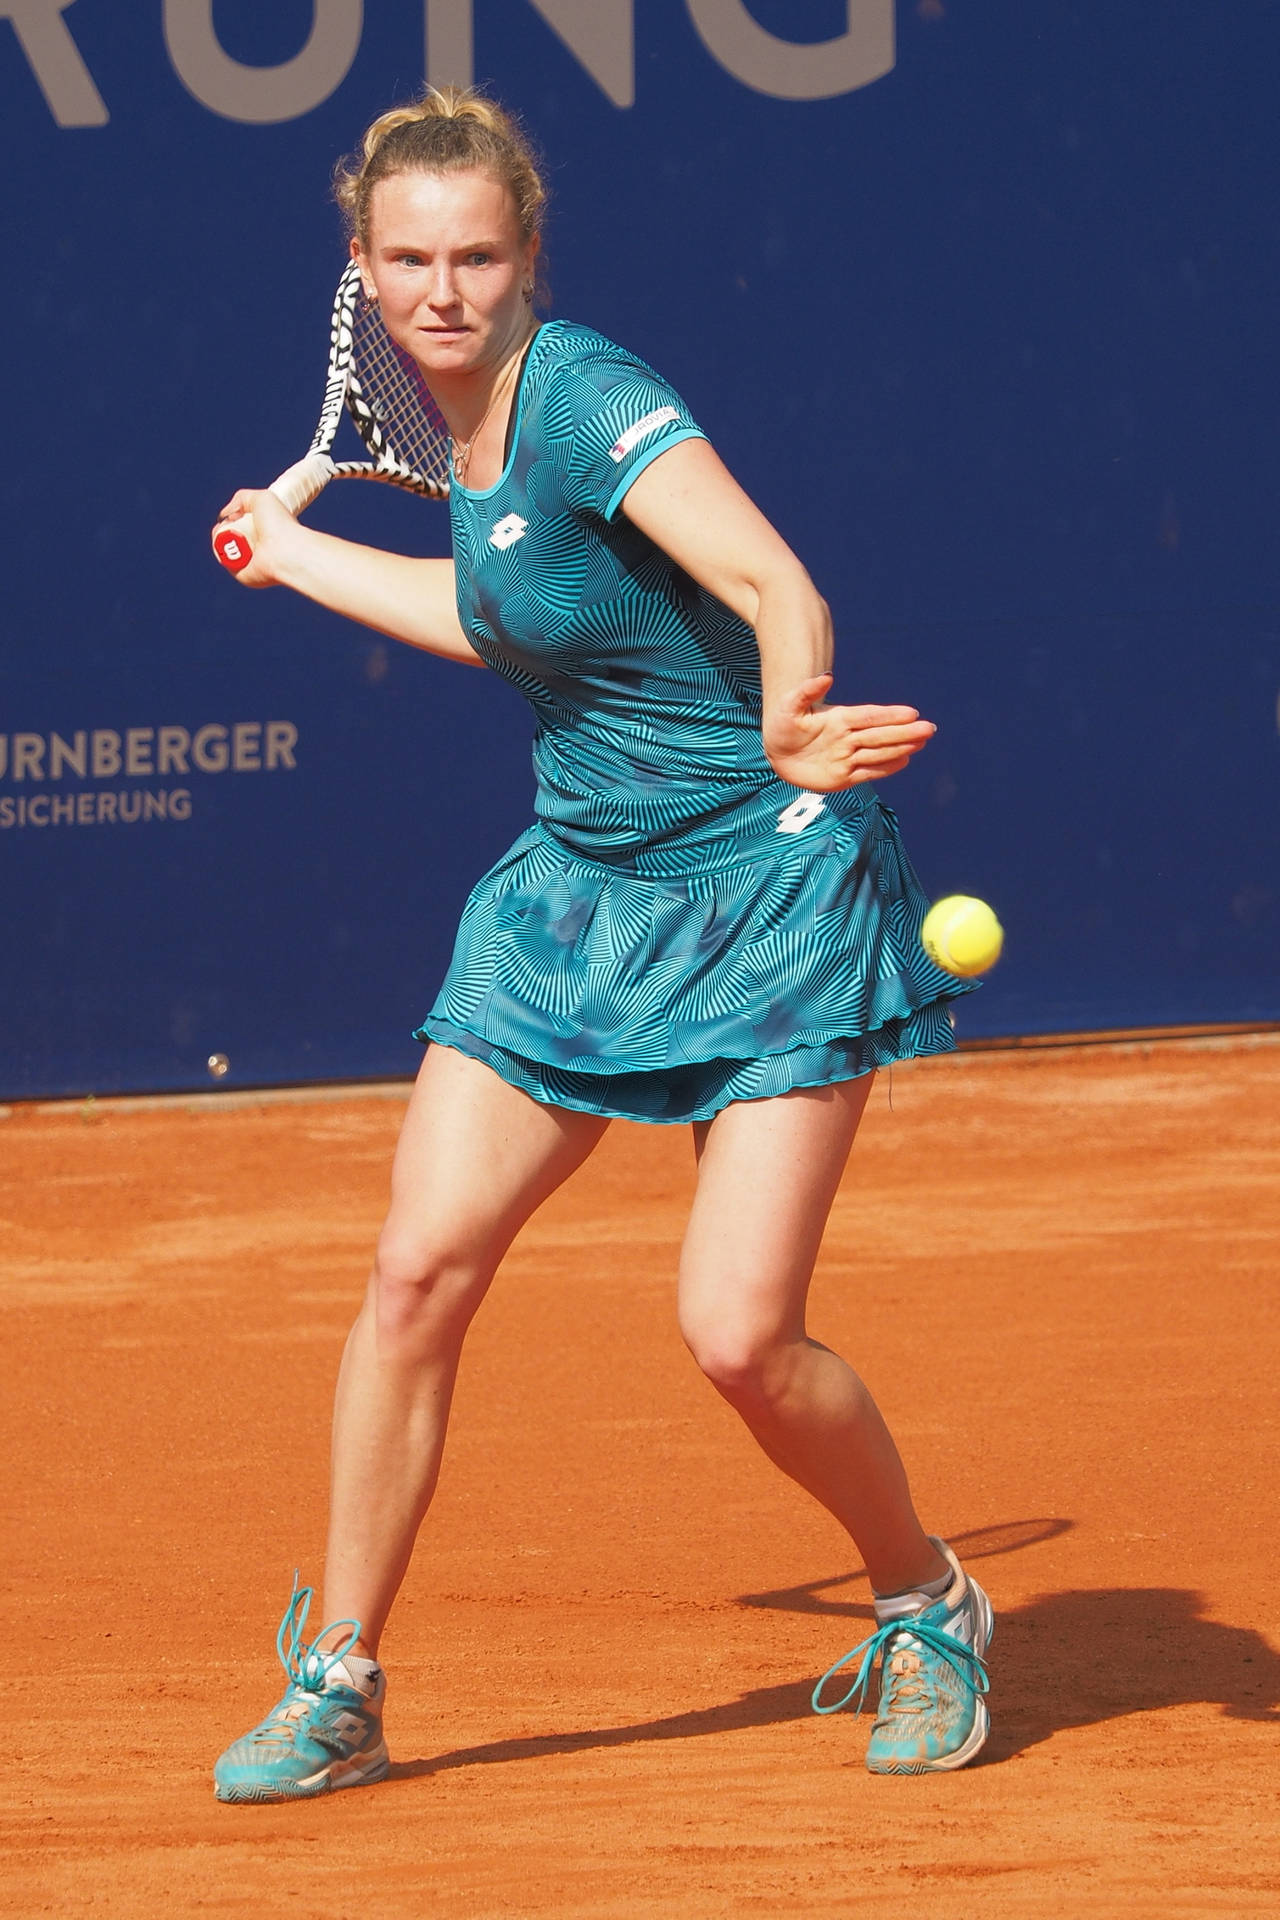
{"x": 1055, "y": 1268}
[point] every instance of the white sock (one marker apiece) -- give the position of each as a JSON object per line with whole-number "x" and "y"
{"x": 353, "y": 1670}
{"x": 896, "y": 1606}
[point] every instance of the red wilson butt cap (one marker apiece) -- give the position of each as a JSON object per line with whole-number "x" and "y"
{"x": 232, "y": 549}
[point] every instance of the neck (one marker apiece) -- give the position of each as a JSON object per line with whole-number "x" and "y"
{"x": 492, "y": 422}
{"x": 467, "y": 400}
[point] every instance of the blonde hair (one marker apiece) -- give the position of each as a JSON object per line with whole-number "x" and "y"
{"x": 446, "y": 130}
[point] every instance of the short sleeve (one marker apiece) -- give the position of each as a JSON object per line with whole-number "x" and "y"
{"x": 624, "y": 416}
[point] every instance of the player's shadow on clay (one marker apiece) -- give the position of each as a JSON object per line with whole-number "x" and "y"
{"x": 1075, "y": 1659}
{"x": 1063, "y": 1660}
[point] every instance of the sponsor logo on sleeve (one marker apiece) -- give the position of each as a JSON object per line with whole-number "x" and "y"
{"x": 641, "y": 431}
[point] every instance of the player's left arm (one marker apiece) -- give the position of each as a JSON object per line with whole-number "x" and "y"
{"x": 689, "y": 504}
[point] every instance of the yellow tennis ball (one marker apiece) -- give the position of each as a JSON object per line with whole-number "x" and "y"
{"x": 962, "y": 935}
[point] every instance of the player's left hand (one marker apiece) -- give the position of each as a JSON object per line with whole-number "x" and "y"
{"x": 823, "y": 749}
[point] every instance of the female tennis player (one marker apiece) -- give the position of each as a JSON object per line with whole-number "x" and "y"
{"x": 712, "y": 921}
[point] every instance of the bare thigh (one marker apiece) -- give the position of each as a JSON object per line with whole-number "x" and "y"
{"x": 475, "y": 1158}
{"x": 768, "y": 1171}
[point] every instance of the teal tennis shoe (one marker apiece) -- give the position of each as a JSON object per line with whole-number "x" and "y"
{"x": 325, "y": 1733}
{"x": 933, "y": 1676}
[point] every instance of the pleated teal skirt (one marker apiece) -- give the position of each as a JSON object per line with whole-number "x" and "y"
{"x": 665, "y": 995}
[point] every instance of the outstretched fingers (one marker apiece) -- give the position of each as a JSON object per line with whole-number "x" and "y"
{"x": 822, "y": 747}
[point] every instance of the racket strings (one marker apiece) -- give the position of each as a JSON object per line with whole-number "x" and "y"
{"x": 390, "y": 385}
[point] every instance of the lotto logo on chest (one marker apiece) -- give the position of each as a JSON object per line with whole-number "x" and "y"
{"x": 507, "y": 531}
{"x": 796, "y": 817}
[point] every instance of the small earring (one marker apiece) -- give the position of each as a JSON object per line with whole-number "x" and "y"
{"x": 528, "y": 296}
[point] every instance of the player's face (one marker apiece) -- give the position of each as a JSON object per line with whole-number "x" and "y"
{"x": 449, "y": 265}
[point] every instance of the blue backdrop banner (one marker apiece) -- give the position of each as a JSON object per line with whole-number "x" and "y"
{"x": 980, "y": 303}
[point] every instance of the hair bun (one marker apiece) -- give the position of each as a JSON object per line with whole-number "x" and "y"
{"x": 446, "y": 130}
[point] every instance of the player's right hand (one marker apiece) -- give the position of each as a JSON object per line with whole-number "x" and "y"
{"x": 264, "y": 526}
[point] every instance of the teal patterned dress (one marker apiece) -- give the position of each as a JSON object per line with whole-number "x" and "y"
{"x": 680, "y": 928}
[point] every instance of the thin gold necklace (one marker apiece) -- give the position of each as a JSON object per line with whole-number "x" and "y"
{"x": 462, "y": 448}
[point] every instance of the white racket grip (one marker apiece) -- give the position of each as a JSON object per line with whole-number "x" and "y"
{"x": 296, "y": 488}
{"x": 301, "y": 483}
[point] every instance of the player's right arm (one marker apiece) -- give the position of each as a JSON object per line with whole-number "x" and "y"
{"x": 407, "y": 599}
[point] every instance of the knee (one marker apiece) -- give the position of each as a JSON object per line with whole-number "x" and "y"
{"x": 743, "y": 1359}
{"x": 423, "y": 1293}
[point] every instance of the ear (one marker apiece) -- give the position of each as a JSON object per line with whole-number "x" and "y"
{"x": 530, "y": 269}
{"x": 366, "y": 278}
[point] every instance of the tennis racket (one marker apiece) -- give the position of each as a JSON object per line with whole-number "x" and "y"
{"x": 382, "y": 390}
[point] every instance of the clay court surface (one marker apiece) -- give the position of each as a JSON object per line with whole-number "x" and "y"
{"x": 1057, "y": 1270}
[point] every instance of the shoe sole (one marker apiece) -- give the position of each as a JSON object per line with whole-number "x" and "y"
{"x": 364, "y": 1771}
{"x": 984, "y": 1628}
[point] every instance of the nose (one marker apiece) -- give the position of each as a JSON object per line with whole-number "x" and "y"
{"x": 441, "y": 291}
